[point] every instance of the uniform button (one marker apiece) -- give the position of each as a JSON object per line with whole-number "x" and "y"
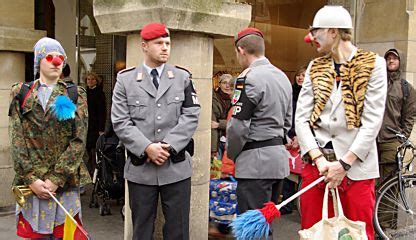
{"x": 137, "y": 102}
{"x": 332, "y": 136}
{"x": 176, "y": 98}
{"x": 158, "y": 117}
{"x": 158, "y": 105}
{"x": 334, "y": 119}
{"x": 159, "y": 130}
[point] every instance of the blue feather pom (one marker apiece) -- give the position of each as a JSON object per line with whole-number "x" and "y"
{"x": 63, "y": 108}
{"x": 250, "y": 225}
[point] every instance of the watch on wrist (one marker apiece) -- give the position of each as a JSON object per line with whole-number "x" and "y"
{"x": 345, "y": 165}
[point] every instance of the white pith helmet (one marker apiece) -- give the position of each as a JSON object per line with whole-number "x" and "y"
{"x": 332, "y": 17}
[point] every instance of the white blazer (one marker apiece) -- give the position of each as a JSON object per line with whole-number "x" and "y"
{"x": 332, "y": 123}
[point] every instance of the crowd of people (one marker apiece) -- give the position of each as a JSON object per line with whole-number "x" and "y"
{"x": 337, "y": 119}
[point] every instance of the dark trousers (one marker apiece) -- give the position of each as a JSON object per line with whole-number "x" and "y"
{"x": 289, "y": 189}
{"x": 175, "y": 198}
{"x": 253, "y": 193}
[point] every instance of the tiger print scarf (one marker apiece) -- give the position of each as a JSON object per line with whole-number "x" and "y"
{"x": 355, "y": 75}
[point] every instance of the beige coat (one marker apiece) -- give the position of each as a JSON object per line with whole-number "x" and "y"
{"x": 332, "y": 123}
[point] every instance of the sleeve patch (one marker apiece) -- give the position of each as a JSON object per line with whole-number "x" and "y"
{"x": 191, "y": 97}
{"x": 243, "y": 108}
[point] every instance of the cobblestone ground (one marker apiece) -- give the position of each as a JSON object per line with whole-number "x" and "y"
{"x": 111, "y": 227}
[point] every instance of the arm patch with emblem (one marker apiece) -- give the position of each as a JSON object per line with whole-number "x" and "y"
{"x": 243, "y": 108}
{"x": 191, "y": 98}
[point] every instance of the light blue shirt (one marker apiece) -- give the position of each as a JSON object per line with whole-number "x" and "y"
{"x": 158, "y": 69}
{"x": 44, "y": 93}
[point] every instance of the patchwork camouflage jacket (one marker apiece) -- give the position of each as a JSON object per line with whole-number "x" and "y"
{"x": 44, "y": 148}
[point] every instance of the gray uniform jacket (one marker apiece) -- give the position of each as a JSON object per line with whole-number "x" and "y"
{"x": 142, "y": 114}
{"x": 262, "y": 110}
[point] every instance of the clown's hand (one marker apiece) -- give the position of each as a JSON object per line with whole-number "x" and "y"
{"x": 322, "y": 164}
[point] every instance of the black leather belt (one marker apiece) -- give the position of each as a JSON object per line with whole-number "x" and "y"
{"x": 260, "y": 144}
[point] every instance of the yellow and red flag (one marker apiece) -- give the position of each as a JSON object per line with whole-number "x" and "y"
{"x": 74, "y": 231}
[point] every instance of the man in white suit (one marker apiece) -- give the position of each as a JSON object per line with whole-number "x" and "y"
{"x": 340, "y": 111}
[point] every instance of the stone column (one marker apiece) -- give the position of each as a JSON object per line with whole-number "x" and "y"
{"x": 193, "y": 26}
{"x": 16, "y": 37}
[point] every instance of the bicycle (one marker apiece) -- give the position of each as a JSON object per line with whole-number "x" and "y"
{"x": 396, "y": 197}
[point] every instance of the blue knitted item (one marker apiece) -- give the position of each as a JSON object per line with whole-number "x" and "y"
{"x": 250, "y": 225}
{"x": 64, "y": 108}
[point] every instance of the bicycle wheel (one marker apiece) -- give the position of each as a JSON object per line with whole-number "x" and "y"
{"x": 391, "y": 220}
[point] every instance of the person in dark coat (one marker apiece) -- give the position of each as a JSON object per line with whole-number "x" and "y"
{"x": 97, "y": 115}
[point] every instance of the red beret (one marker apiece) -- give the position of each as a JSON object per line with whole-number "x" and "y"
{"x": 246, "y": 32}
{"x": 154, "y": 30}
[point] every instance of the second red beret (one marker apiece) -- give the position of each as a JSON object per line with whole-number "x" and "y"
{"x": 246, "y": 32}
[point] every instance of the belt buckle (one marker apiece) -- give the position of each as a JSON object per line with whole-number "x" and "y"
{"x": 329, "y": 154}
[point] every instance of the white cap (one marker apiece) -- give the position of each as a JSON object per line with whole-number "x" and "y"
{"x": 332, "y": 17}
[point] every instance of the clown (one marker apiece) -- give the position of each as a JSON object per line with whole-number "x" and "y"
{"x": 340, "y": 111}
{"x": 47, "y": 131}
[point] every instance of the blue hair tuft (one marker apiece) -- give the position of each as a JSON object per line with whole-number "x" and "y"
{"x": 250, "y": 225}
{"x": 64, "y": 108}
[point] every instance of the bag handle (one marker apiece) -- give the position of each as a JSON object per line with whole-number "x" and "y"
{"x": 336, "y": 203}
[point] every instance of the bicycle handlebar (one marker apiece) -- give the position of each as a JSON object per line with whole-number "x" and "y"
{"x": 397, "y": 133}
{"x": 394, "y": 131}
{"x": 401, "y": 137}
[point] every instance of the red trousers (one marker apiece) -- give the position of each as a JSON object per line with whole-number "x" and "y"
{"x": 357, "y": 199}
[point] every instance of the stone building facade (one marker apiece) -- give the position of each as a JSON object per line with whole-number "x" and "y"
{"x": 98, "y": 33}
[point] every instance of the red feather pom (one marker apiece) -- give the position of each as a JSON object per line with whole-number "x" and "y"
{"x": 270, "y": 212}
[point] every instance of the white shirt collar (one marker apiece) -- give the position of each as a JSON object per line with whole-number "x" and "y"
{"x": 158, "y": 69}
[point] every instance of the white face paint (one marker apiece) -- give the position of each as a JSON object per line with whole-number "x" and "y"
{"x": 322, "y": 40}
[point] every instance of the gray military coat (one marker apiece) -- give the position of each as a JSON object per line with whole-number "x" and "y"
{"x": 262, "y": 110}
{"x": 142, "y": 114}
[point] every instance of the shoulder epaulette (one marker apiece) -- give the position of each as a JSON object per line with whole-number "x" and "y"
{"x": 244, "y": 73}
{"x": 182, "y": 68}
{"x": 126, "y": 70}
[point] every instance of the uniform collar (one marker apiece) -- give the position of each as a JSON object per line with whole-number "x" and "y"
{"x": 259, "y": 61}
{"x": 158, "y": 69}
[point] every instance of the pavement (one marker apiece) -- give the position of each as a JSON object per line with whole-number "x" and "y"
{"x": 110, "y": 227}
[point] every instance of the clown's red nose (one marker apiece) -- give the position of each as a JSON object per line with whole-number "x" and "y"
{"x": 56, "y": 61}
{"x": 308, "y": 38}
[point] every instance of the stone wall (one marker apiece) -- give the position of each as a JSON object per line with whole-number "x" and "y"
{"x": 17, "y": 35}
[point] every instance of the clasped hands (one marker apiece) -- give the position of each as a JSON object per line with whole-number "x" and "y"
{"x": 158, "y": 153}
{"x": 41, "y": 188}
{"x": 333, "y": 171}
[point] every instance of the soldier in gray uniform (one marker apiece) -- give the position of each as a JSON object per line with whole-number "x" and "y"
{"x": 155, "y": 113}
{"x": 256, "y": 133}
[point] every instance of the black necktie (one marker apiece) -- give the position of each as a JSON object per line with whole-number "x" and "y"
{"x": 154, "y": 74}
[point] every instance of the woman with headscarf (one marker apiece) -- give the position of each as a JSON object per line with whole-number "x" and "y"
{"x": 221, "y": 103}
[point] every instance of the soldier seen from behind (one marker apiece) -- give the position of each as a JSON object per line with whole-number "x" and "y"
{"x": 262, "y": 115}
